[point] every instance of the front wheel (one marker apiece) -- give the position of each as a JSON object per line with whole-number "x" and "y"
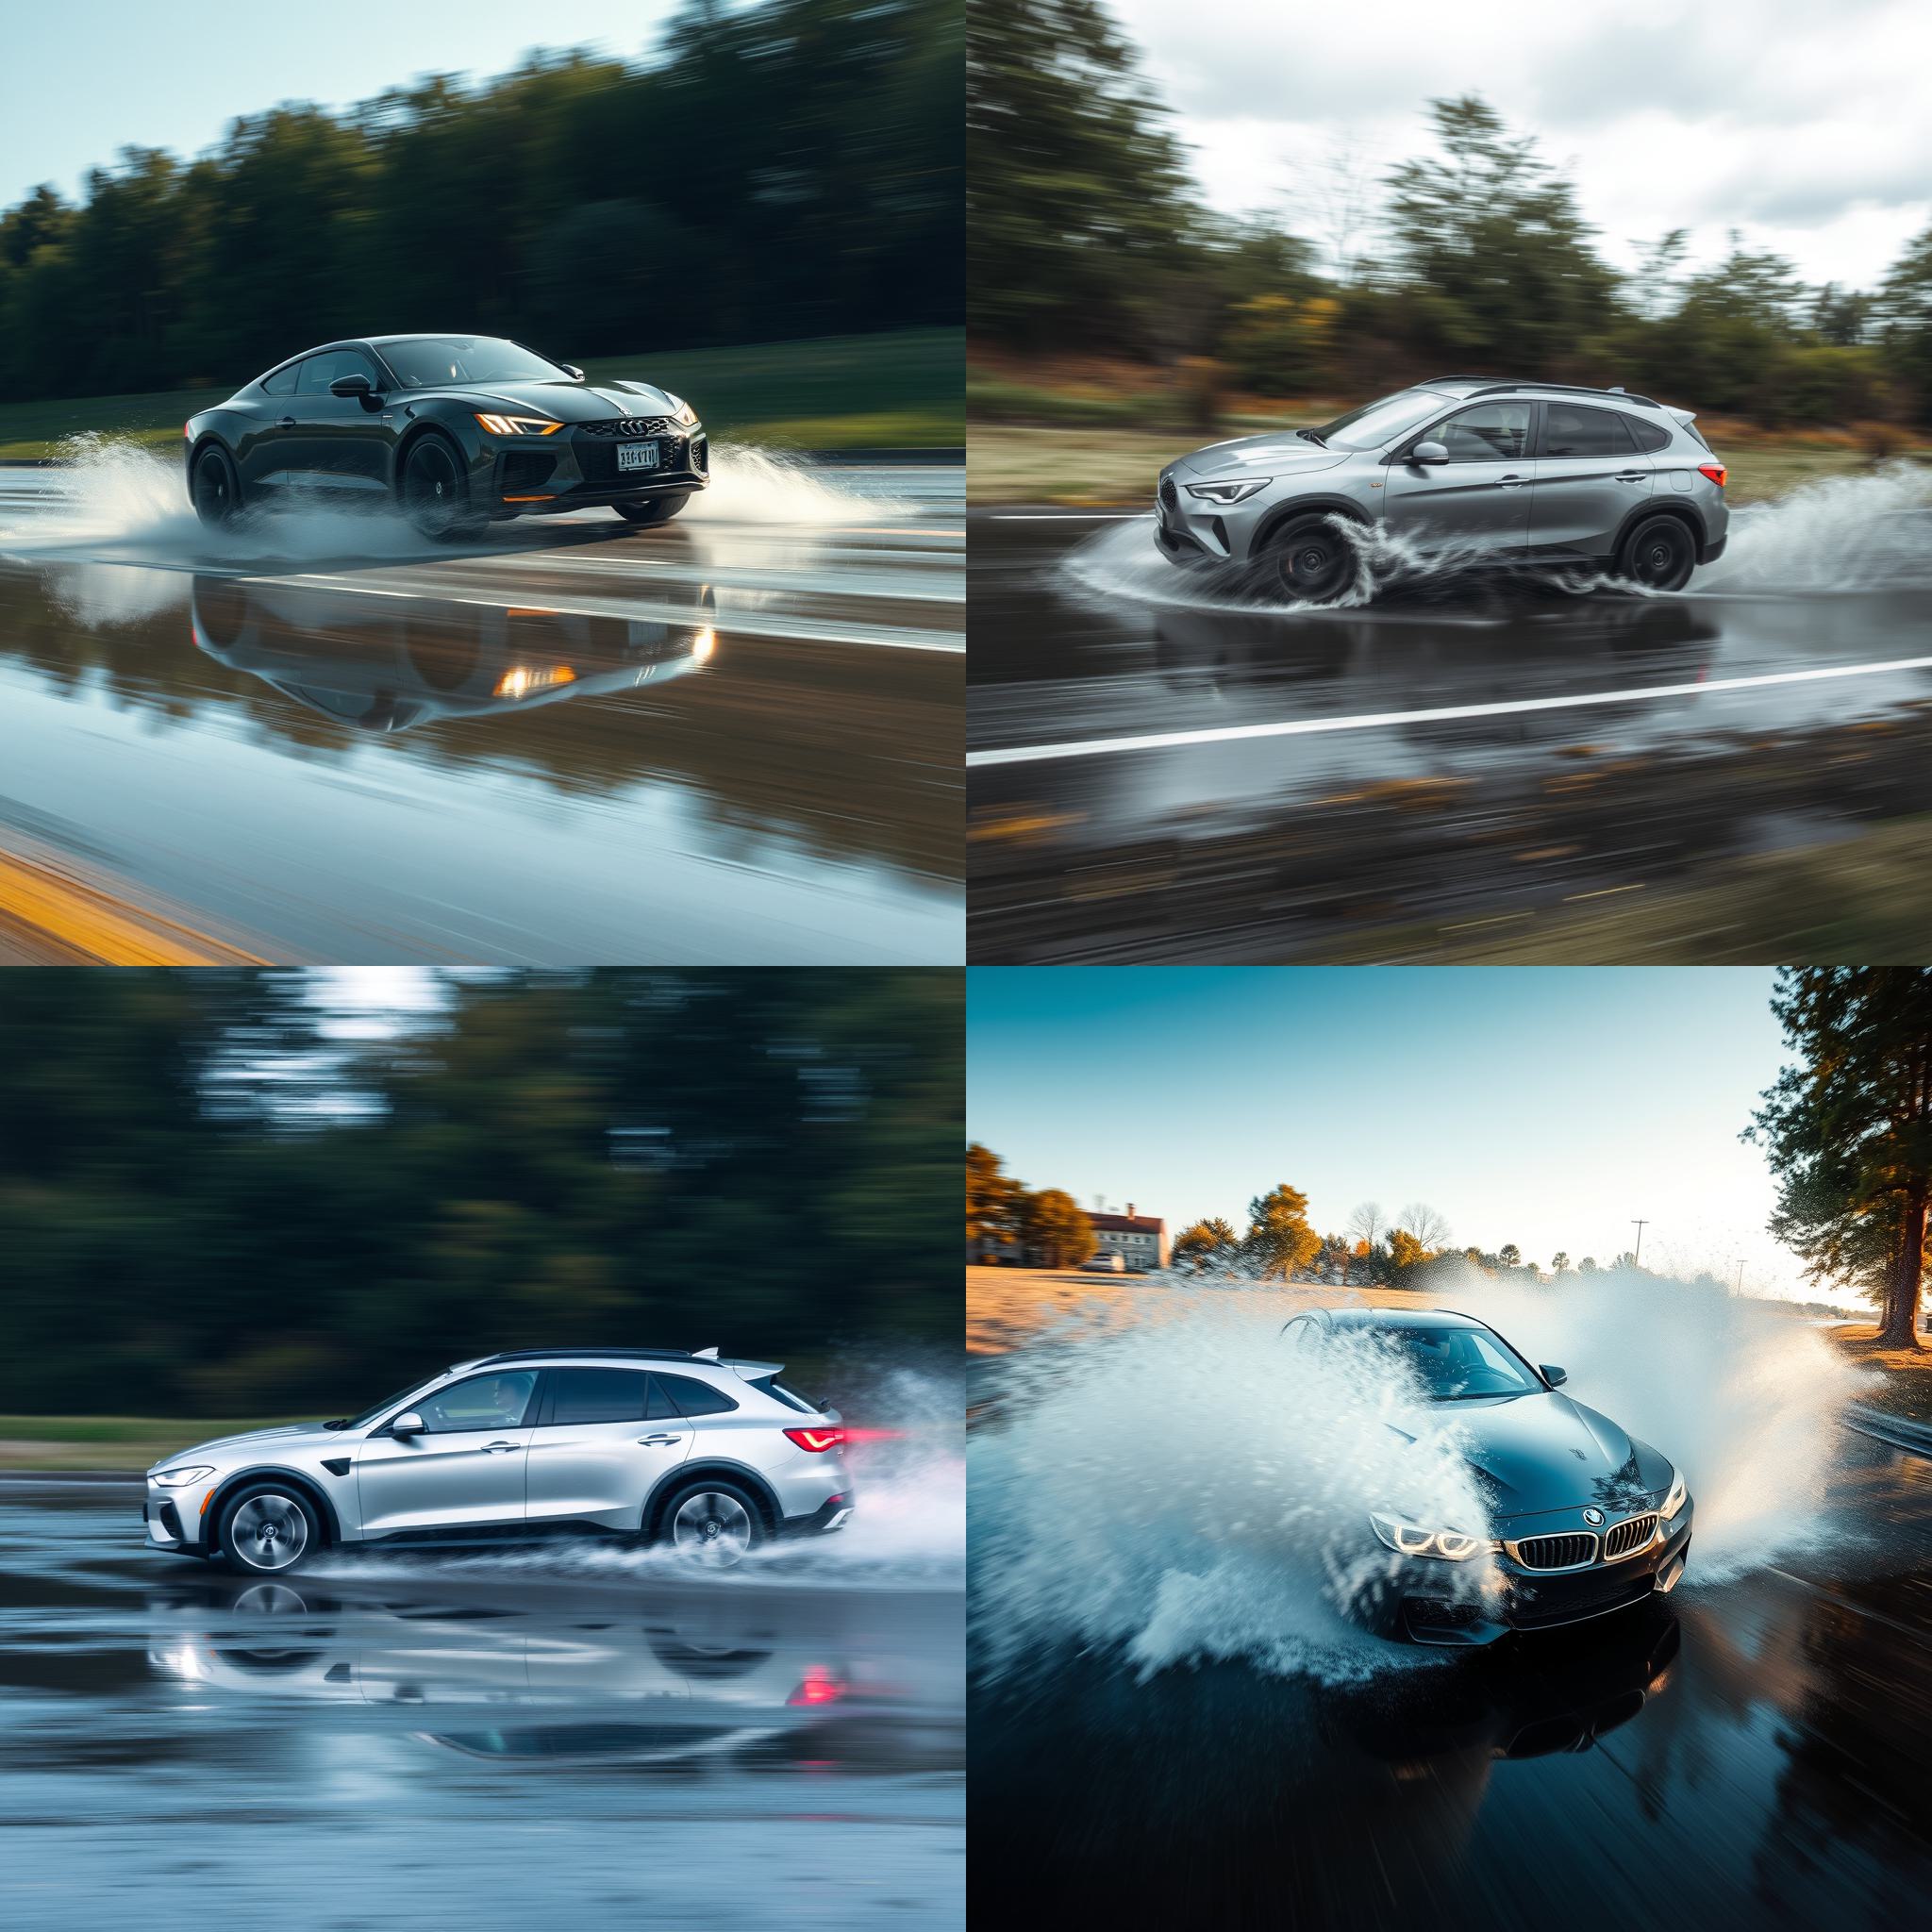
{"x": 1309, "y": 561}
{"x": 270, "y": 1528}
{"x": 214, "y": 486}
{"x": 714, "y": 1522}
{"x": 434, "y": 491}
{"x": 1658, "y": 554}
{"x": 651, "y": 509}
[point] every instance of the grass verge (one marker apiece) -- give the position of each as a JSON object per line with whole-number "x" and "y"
{"x": 901, "y": 389}
{"x": 1904, "y": 1386}
{"x": 107, "y": 1442}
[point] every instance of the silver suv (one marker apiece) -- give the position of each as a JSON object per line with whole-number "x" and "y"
{"x": 713, "y": 1457}
{"x": 1517, "y": 474}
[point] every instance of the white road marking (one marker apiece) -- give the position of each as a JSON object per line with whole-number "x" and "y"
{"x": 1373, "y": 721}
{"x": 1069, "y": 516}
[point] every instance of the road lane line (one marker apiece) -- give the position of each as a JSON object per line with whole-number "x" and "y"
{"x": 1069, "y": 516}
{"x": 1375, "y": 720}
{"x": 57, "y": 915}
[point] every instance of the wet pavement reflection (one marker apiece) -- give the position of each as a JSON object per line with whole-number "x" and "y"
{"x": 406, "y": 1740}
{"x": 730, "y": 741}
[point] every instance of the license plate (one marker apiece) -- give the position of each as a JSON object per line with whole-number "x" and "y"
{"x": 636, "y": 455}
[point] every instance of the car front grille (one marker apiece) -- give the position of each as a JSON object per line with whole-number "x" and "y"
{"x": 1628, "y": 1536}
{"x": 1556, "y": 1552}
{"x": 631, "y": 426}
{"x": 1569, "y": 1601}
{"x": 597, "y": 459}
{"x": 1170, "y": 496}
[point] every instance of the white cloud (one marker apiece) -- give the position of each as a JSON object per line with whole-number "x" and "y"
{"x": 1805, "y": 126}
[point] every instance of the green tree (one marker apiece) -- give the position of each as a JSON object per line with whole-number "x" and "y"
{"x": 1559, "y": 1262}
{"x": 1587, "y": 1265}
{"x": 1280, "y": 1239}
{"x": 1847, "y": 1131}
{"x": 1206, "y": 1245}
{"x": 1055, "y": 1230}
{"x": 1407, "y": 1259}
{"x": 1509, "y": 1255}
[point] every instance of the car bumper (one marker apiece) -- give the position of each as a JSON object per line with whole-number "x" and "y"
{"x": 1189, "y": 531}
{"x": 833, "y": 1513}
{"x": 1710, "y": 552}
{"x": 175, "y": 1519}
{"x": 577, "y": 470}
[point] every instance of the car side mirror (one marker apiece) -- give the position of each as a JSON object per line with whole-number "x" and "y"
{"x": 1428, "y": 453}
{"x": 1554, "y": 1376}
{"x": 408, "y": 1424}
{"x": 350, "y": 385}
{"x": 576, "y": 375}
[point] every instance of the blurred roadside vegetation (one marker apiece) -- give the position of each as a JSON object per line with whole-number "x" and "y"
{"x": 895, "y": 390}
{"x": 764, "y": 174}
{"x": 1106, "y": 299}
{"x": 262, "y": 1193}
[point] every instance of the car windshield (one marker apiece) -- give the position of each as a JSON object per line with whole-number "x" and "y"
{"x": 1458, "y": 1364}
{"x": 433, "y": 361}
{"x": 369, "y": 1415}
{"x": 1381, "y": 422}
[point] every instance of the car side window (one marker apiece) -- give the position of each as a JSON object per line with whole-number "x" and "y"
{"x": 282, "y": 383}
{"x": 1574, "y": 429}
{"x": 598, "y": 1395}
{"x": 318, "y": 372}
{"x": 1648, "y": 437}
{"x": 1492, "y": 433}
{"x": 479, "y": 1402}
{"x": 694, "y": 1397}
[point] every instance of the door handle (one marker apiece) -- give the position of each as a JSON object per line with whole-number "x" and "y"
{"x": 285, "y": 422}
{"x": 655, "y": 1442}
{"x": 1632, "y": 477}
{"x": 497, "y": 1448}
{"x": 1513, "y": 482}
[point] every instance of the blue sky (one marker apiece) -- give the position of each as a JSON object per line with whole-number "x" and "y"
{"x": 1542, "y": 1105}
{"x": 83, "y": 79}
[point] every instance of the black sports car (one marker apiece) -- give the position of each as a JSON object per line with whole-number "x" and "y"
{"x": 457, "y": 429}
{"x": 1582, "y": 1518}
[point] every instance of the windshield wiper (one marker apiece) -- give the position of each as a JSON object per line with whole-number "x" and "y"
{"x": 341, "y": 1422}
{"x": 1313, "y": 436}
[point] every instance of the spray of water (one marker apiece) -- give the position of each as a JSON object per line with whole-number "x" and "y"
{"x": 1186, "y": 1486}
{"x": 1836, "y": 536}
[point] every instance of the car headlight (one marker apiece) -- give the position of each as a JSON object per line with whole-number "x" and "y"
{"x": 1410, "y": 1540}
{"x": 1228, "y": 493}
{"x": 180, "y": 1478}
{"x": 519, "y": 425}
{"x": 686, "y": 414}
{"x": 1679, "y": 1495}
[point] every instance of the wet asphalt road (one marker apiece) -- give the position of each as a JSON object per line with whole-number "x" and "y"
{"x": 432, "y": 1743}
{"x": 1746, "y": 1752}
{"x": 1157, "y": 770}
{"x": 734, "y": 739}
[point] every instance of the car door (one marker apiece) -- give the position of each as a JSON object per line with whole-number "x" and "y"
{"x": 466, "y": 1468}
{"x": 602, "y": 1441}
{"x": 1589, "y": 475}
{"x": 262, "y": 453}
{"x": 1479, "y": 499}
{"x": 338, "y": 442}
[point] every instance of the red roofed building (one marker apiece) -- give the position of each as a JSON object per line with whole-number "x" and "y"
{"x": 1139, "y": 1239}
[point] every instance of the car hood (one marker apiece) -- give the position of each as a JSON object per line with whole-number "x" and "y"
{"x": 1279, "y": 453}
{"x": 568, "y": 402}
{"x": 1536, "y": 1453}
{"x": 284, "y": 1436}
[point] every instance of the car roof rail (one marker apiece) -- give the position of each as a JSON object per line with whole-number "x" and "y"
{"x": 541, "y": 1354}
{"x": 1570, "y": 389}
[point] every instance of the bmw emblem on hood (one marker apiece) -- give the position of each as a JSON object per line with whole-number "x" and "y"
{"x": 1593, "y": 1517}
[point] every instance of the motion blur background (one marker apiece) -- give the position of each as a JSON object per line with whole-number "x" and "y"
{"x": 240, "y": 1195}
{"x": 701, "y": 177}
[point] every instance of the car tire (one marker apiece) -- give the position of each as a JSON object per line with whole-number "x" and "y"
{"x": 434, "y": 489}
{"x": 1658, "y": 555}
{"x": 651, "y": 509}
{"x": 269, "y": 1528}
{"x": 214, "y": 486}
{"x": 713, "y": 1521}
{"x": 1309, "y": 560}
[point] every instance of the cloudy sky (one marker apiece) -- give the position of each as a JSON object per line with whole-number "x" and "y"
{"x": 1805, "y": 125}
{"x": 1545, "y": 1105}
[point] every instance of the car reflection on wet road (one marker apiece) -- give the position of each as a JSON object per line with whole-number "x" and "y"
{"x": 734, "y": 738}
{"x": 1161, "y": 770}
{"x": 1744, "y": 1751}
{"x": 416, "y": 1742}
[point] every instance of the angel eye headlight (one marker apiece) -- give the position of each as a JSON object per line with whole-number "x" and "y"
{"x": 518, "y": 425}
{"x": 1229, "y": 493}
{"x": 180, "y": 1478}
{"x": 1411, "y": 1539}
{"x": 1679, "y": 1495}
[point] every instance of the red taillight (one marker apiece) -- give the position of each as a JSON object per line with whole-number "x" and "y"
{"x": 1716, "y": 471}
{"x": 820, "y": 1687}
{"x": 875, "y": 1435}
{"x": 817, "y": 1440}
{"x": 188, "y": 430}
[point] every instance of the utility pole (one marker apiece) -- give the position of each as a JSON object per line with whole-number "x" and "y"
{"x": 1637, "y": 1259}
{"x": 1740, "y": 1277}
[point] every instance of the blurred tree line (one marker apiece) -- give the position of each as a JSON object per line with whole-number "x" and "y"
{"x": 1086, "y": 234}
{"x": 775, "y": 172}
{"x": 232, "y": 1192}
{"x": 1009, "y": 1224}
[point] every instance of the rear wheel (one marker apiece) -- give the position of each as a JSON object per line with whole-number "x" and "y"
{"x": 1309, "y": 561}
{"x": 214, "y": 486}
{"x": 270, "y": 1528}
{"x": 714, "y": 1522}
{"x": 1658, "y": 554}
{"x": 435, "y": 490}
{"x": 651, "y": 509}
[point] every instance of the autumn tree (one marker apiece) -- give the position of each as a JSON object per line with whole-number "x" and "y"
{"x": 992, "y": 1198}
{"x": 1055, "y": 1230}
{"x": 1206, "y": 1245}
{"x": 1280, "y": 1237}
